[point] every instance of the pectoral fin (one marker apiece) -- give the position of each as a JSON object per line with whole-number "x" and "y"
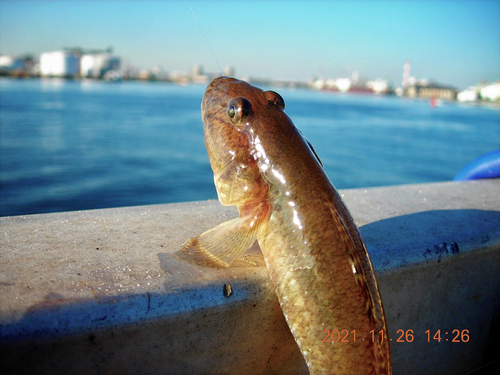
{"x": 223, "y": 244}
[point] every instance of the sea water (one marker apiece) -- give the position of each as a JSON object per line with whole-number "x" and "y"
{"x": 76, "y": 145}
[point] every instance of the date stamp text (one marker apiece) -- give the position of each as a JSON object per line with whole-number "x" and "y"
{"x": 408, "y": 335}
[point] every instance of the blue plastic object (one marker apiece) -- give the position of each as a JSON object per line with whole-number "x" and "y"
{"x": 485, "y": 166}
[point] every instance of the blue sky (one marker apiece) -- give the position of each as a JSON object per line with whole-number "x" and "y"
{"x": 451, "y": 42}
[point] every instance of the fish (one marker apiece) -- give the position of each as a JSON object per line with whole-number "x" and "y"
{"x": 314, "y": 253}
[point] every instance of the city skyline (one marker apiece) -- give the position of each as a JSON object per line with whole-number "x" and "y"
{"x": 453, "y": 43}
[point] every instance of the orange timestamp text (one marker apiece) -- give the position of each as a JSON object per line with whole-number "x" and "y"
{"x": 407, "y": 335}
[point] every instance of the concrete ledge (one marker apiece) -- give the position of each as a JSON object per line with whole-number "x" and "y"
{"x": 97, "y": 291}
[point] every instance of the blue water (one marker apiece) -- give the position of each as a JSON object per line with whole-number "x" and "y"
{"x": 68, "y": 145}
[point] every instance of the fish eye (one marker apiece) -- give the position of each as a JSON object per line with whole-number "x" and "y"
{"x": 275, "y": 98}
{"x": 238, "y": 110}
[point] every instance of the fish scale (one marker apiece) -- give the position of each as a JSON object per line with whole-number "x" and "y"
{"x": 319, "y": 266}
{"x": 308, "y": 314}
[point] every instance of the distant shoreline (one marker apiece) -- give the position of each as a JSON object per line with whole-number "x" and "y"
{"x": 255, "y": 81}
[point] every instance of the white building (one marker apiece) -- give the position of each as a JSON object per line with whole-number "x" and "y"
{"x": 340, "y": 84}
{"x": 11, "y": 63}
{"x": 229, "y": 71}
{"x": 379, "y": 86}
{"x": 6, "y": 61}
{"x": 468, "y": 95}
{"x": 60, "y": 64}
{"x": 406, "y": 74}
{"x": 491, "y": 92}
{"x": 343, "y": 84}
{"x": 96, "y": 65}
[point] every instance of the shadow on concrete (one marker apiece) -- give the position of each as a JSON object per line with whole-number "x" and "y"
{"x": 429, "y": 236}
{"x": 438, "y": 271}
{"x": 189, "y": 328}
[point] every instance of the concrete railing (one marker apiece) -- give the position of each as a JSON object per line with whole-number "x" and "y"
{"x": 98, "y": 291}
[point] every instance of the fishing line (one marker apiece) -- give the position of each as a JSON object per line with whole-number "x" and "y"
{"x": 205, "y": 37}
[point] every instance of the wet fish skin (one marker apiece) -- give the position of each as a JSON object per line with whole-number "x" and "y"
{"x": 314, "y": 253}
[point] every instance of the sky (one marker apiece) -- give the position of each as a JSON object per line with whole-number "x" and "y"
{"x": 450, "y": 42}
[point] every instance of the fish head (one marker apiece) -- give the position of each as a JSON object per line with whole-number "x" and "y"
{"x": 232, "y": 110}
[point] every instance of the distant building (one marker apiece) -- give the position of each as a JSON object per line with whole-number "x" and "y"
{"x": 6, "y": 62}
{"x": 87, "y": 66}
{"x": 437, "y": 92}
{"x": 468, "y": 95}
{"x": 229, "y": 71}
{"x": 431, "y": 91}
{"x": 491, "y": 92}
{"x": 198, "y": 76}
{"x": 60, "y": 63}
{"x": 379, "y": 86}
{"x": 355, "y": 77}
{"x": 73, "y": 62}
{"x": 343, "y": 84}
{"x": 422, "y": 88}
{"x": 339, "y": 84}
{"x": 406, "y": 74}
{"x": 16, "y": 65}
{"x": 97, "y": 65}
{"x": 157, "y": 73}
{"x": 144, "y": 75}
{"x": 178, "y": 77}
{"x": 197, "y": 70}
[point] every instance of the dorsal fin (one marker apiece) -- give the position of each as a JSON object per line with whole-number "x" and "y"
{"x": 315, "y": 154}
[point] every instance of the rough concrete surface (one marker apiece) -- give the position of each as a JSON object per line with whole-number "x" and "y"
{"x": 100, "y": 292}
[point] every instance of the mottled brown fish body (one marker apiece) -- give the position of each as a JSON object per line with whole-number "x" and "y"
{"x": 314, "y": 278}
{"x": 314, "y": 253}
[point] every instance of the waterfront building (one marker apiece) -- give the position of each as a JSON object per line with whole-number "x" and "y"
{"x": 18, "y": 66}
{"x": 6, "y": 62}
{"x": 144, "y": 75}
{"x": 431, "y": 91}
{"x": 406, "y": 74}
{"x": 379, "y": 86}
{"x": 65, "y": 63}
{"x": 229, "y": 71}
{"x": 343, "y": 84}
{"x": 468, "y": 95}
{"x": 198, "y": 76}
{"x": 158, "y": 74}
{"x": 491, "y": 92}
{"x": 437, "y": 92}
{"x": 97, "y": 65}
